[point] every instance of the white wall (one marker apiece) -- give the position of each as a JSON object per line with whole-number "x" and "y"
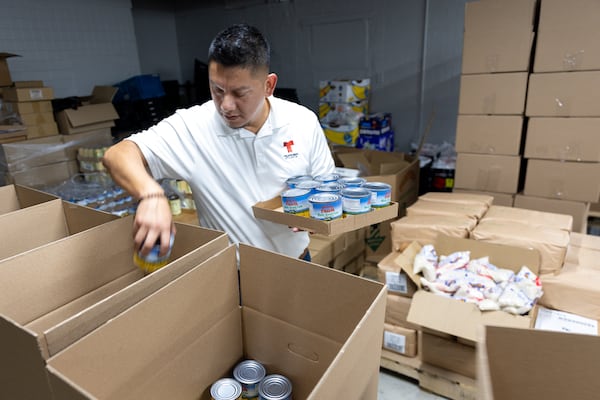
{"x": 71, "y": 45}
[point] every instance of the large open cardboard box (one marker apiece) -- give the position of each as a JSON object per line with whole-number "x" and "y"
{"x": 97, "y": 112}
{"x": 320, "y": 327}
{"x": 455, "y": 317}
{"x": 44, "y": 223}
{"x": 539, "y": 365}
{"x": 53, "y": 295}
{"x": 16, "y": 197}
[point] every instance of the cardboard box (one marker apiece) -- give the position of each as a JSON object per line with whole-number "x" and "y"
{"x": 449, "y": 353}
{"x": 28, "y": 93}
{"x": 496, "y": 15}
{"x": 462, "y": 197}
{"x": 97, "y": 112}
{"x": 44, "y": 175}
{"x": 378, "y": 239}
{"x": 5, "y": 78}
{"x": 396, "y": 280}
{"x": 425, "y": 228}
{"x": 500, "y": 199}
{"x": 576, "y": 209}
{"x": 568, "y": 36}
{"x": 42, "y": 130}
{"x": 324, "y": 352}
{"x": 396, "y": 311}
{"x": 44, "y": 223}
{"x": 16, "y": 197}
{"x": 458, "y": 318}
{"x": 426, "y": 207}
{"x": 488, "y": 173}
{"x": 37, "y": 118}
{"x": 272, "y": 210}
{"x": 563, "y": 180}
{"x": 54, "y": 295}
{"x": 489, "y": 134}
{"x": 530, "y": 217}
{"x": 400, "y": 340}
{"x": 497, "y": 94}
{"x": 550, "y": 242}
{"x": 344, "y": 90}
{"x": 564, "y": 364}
{"x": 565, "y": 139}
{"x": 564, "y": 94}
{"x": 29, "y": 107}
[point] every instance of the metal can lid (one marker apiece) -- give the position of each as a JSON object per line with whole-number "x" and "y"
{"x": 330, "y": 187}
{"x": 352, "y": 181}
{"x": 355, "y": 192}
{"x": 295, "y": 192}
{"x": 226, "y": 389}
{"x": 275, "y": 387}
{"x": 377, "y": 185}
{"x": 249, "y": 371}
{"x": 324, "y": 197}
{"x": 327, "y": 177}
{"x": 308, "y": 184}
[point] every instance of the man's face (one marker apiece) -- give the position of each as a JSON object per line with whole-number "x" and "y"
{"x": 239, "y": 95}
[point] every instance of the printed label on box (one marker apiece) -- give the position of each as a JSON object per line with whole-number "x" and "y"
{"x": 552, "y": 320}
{"x": 36, "y": 94}
{"x": 394, "y": 341}
{"x": 396, "y": 282}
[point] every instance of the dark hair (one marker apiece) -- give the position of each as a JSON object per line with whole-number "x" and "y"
{"x": 240, "y": 45}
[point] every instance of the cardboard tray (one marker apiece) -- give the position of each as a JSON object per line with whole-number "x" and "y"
{"x": 272, "y": 210}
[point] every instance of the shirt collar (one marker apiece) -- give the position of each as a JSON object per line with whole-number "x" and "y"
{"x": 275, "y": 121}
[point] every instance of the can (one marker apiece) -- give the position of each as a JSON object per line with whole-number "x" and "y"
{"x": 226, "y": 389}
{"x": 275, "y": 387}
{"x": 381, "y": 193}
{"x": 332, "y": 187}
{"x": 356, "y": 200}
{"x": 175, "y": 204}
{"x": 153, "y": 261}
{"x": 325, "y": 206}
{"x": 309, "y": 184}
{"x": 249, "y": 373}
{"x": 291, "y": 182}
{"x": 295, "y": 201}
{"x": 327, "y": 178}
{"x": 352, "y": 182}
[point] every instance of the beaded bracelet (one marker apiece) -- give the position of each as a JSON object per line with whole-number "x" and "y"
{"x": 152, "y": 196}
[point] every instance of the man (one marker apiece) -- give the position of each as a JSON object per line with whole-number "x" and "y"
{"x": 234, "y": 151}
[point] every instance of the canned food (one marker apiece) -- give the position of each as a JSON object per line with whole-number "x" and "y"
{"x": 333, "y": 187}
{"x": 175, "y": 204}
{"x": 327, "y": 178}
{"x": 295, "y": 201}
{"x": 381, "y": 193}
{"x": 325, "y": 206}
{"x": 291, "y": 182}
{"x": 352, "y": 182}
{"x": 226, "y": 389}
{"x": 311, "y": 185}
{"x": 356, "y": 200}
{"x": 275, "y": 387}
{"x": 153, "y": 261}
{"x": 249, "y": 373}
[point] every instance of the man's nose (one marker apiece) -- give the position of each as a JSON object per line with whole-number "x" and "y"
{"x": 228, "y": 103}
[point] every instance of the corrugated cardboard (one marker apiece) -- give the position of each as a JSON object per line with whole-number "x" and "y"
{"x": 550, "y": 242}
{"x": 448, "y": 353}
{"x": 564, "y": 365}
{"x": 329, "y": 346}
{"x": 530, "y": 217}
{"x": 488, "y": 173}
{"x": 392, "y": 275}
{"x": 576, "y": 209}
{"x": 96, "y": 113}
{"x": 426, "y": 207}
{"x": 425, "y": 228}
{"x": 489, "y": 134}
{"x": 568, "y": 180}
{"x": 272, "y": 210}
{"x": 500, "y": 199}
{"x": 400, "y": 340}
{"x": 42, "y": 130}
{"x": 29, "y": 107}
{"x": 459, "y": 198}
{"x": 568, "y": 36}
{"x": 565, "y": 139}
{"x": 53, "y": 295}
{"x": 16, "y": 197}
{"x": 462, "y": 319}
{"x": 37, "y": 118}
{"x": 44, "y": 223}
{"x": 564, "y": 94}
{"x": 496, "y": 94}
{"x": 491, "y": 51}
{"x": 28, "y": 94}
{"x": 396, "y": 311}
{"x": 496, "y": 15}
{"x": 5, "y": 78}
{"x": 44, "y": 175}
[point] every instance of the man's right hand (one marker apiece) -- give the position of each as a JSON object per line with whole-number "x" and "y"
{"x": 153, "y": 222}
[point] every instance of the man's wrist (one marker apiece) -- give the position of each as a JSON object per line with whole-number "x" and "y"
{"x": 155, "y": 195}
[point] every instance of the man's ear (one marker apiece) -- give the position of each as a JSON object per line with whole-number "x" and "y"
{"x": 270, "y": 84}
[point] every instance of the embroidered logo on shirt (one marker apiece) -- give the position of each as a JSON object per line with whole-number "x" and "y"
{"x": 290, "y": 153}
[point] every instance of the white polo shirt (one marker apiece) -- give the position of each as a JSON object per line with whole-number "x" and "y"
{"x": 229, "y": 170}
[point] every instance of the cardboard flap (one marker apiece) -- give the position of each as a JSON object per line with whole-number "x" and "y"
{"x": 566, "y": 364}
{"x": 4, "y": 55}
{"x": 80, "y": 218}
{"x": 391, "y": 167}
{"x": 406, "y": 261}
{"x": 103, "y": 94}
{"x": 357, "y": 161}
{"x": 303, "y": 294}
{"x": 8, "y": 199}
{"x": 91, "y": 114}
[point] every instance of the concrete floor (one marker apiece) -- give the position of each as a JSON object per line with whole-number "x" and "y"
{"x": 393, "y": 386}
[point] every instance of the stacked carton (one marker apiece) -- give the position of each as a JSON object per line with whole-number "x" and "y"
{"x": 563, "y": 107}
{"x": 341, "y": 105}
{"x": 498, "y": 37}
{"x": 31, "y": 101}
{"x": 344, "y": 252}
{"x": 11, "y": 128}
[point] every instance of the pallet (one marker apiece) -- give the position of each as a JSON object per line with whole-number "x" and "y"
{"x": 430, "y": 378}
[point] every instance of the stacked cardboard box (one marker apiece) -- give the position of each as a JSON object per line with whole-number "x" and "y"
{"x": 492, "y": 95}
{"x": 563, "y": 107}
{"x": 96, "y": 112}
{"x": 31, "y": 102}
{"x": 345, "y": 252}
